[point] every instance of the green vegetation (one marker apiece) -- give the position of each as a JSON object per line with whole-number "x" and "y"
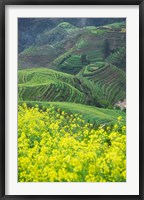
{"x": 89, "y": 113}
{"x": 68, "y": 27}
{"x": 71, "y": 102}
{"x": 93, "y": 85}
{"x": 62, "y": 47}
{"x": 118, "y": 57}
{"x": 33, "y": 56}
{"x": 82, "y": 44}
{"x": 47, "y": 85}
{"x": 117, "y": 26}
{"x": 94, "y": 56}
{"x": 71, "y": 64}
{"x": 106, "y": 48}
{"x": 108, "y": 83}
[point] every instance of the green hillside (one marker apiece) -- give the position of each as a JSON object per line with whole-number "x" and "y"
{"x": 67, "y": 63}
{"x": 29, "y": 29}
{"x": 108, "y": 82}
{"x": 89, "y": 113}
{"x": 47, "y": 85}
{"x": 118, "y": 58}
{"x": 98, "y": 84}
{"x": 91, "y": 44}
{"x": 35, "y": 56}
{"x": 68, "y": 48}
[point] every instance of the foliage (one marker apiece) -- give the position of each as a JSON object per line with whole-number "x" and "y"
{"x": 56, "y": 147}
{"x": 90, "y": 114}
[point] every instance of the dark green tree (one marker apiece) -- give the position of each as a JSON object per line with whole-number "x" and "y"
{"x": 106, "y": 48}
{"x": 84, "y": 59}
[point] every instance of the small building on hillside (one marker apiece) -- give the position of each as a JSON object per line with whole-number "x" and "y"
{"x": 121, "y": 105}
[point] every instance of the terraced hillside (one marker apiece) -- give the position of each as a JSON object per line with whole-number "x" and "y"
{"x": 37, "y": 56}
{"x": 118, "y": 58}
{"x": 30, "y": 28}
{"x": 100, "y": 84}
{"x": 108, "y": 82}
{"x": 43, "y": 84}
{"x": 68, "y": 48}
{"x": 91, "y": 44}
{"x": 78, "y": 64}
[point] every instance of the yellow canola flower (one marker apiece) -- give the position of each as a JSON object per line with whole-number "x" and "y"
{"x": 54, "y": 146}
{"x": 119, "y": 118}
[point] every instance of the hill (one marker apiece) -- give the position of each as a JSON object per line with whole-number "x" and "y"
{"x": 68, "y": 48}
{"x": 43, "y": 84}
{"x": 30, "y": 28}
{"x": 100, "y": 84}
{"x": 108, "y": 82}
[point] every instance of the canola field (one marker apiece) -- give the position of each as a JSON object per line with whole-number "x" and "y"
{"x": 55, "y": 146}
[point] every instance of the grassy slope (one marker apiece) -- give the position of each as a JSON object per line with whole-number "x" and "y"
{"x": 91, "y": 114}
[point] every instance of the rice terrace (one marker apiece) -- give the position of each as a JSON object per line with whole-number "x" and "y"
{"x": 71, "y": 100}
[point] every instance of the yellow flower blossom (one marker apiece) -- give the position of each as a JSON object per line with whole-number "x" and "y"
{"x": 54, "y": 146}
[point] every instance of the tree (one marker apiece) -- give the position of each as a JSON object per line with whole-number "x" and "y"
{"x": 106, "y": 48}
{"x": 84, "y": 59}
